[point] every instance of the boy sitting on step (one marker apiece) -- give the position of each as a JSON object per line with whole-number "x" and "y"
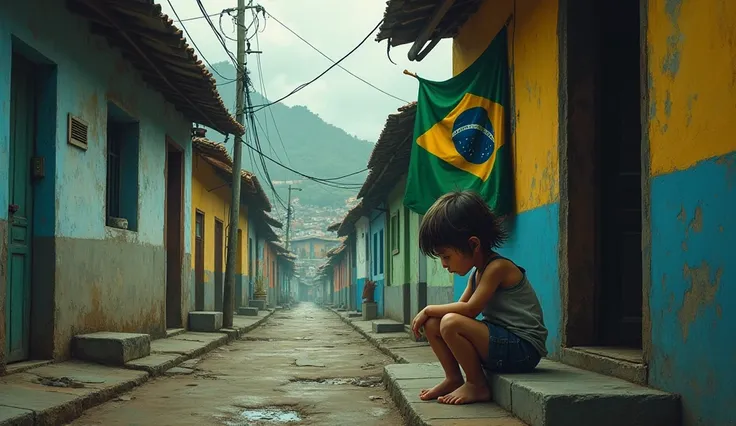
{"x": 463, "y": 232}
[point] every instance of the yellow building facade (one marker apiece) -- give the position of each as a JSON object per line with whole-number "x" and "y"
{"x": 211, "y": 194}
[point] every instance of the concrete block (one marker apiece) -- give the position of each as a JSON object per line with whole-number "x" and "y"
{"x": 387, "y": 326}
{"x": 205, "y": 321}
{"x": 370, "y": 311}
{"x": 354, "y": 315}
{"x": 111, "y": 348}
{"x": 16, "y": 416}
{"x": 260, "y": 304}
{"x": 556, "y": 394}
{"x": 248, "y": 311}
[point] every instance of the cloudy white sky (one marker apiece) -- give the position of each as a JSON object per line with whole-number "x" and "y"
{"x": 335, "y": 27}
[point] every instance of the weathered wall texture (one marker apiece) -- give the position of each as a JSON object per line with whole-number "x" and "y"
{"x": 98, "y": 281}
{"x": 97, "y": 289}
{"x": 692, "y": 89}
{"x": 211, "y": 195}
{"x": 533, "y": 55}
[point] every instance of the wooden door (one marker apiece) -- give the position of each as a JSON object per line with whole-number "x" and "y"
{"x": 20, "y": 210}
{"x": 219, "y": 275}
{"x": 199, "y": 262}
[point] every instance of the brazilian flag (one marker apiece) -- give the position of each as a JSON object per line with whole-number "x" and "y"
{"x": 461, "y": 133}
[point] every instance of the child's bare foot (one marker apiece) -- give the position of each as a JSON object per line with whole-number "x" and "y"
{"x": 448, "y": 385}
{"x": 467, "y": 394}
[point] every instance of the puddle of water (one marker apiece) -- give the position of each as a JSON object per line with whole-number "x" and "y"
{"x": 268, "y": 415}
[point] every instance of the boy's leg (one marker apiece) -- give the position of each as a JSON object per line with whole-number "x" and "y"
{"x": 453, "y": 375}
{"x": 468, "y": 339}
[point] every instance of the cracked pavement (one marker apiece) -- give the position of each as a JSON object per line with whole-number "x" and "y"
{"x": 304, "y": 366}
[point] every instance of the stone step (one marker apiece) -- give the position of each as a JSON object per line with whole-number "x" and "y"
{"x": 111, "y": 348}
{"x": 248, "y": 311}
{"x": 205, "y": 321}
{"x": 260, "y": 304}
{"x": 354, "y": 314}
{"x": 557, "y": 394}
{"x": 387, "y": 326}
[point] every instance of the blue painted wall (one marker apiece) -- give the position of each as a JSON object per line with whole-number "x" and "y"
{"x": 96, "y": 288}
{"x": 88, "y": 73}
{"x": 534, "y": 246}
{"x": 693, "y": 296}
{"x": 376, "y": 225}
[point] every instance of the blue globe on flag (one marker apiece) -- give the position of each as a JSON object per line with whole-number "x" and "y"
{"x": 473, "y": 135}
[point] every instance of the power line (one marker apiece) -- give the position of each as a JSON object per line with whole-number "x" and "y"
{"x": 265, "y": 95}
{"x": 333, "y": 61}
{"x": 260, "y": 107}
{"x": 195, "y": 44}
{"x": 325, "y": 181}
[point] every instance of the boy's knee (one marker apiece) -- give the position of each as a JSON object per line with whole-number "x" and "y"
{"x": 450, "y": 323}
{"x": 432, "y": 325}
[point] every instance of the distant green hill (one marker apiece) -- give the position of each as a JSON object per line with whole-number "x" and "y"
{"x": 310, "y": 146}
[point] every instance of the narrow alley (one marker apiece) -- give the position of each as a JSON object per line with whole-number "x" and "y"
{"x": 303, "y": 366}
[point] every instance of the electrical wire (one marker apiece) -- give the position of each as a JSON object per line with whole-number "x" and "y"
{"x": 333, "y": 61}
{"x": 195, "y": 44}
{"x": 260, "y": 107}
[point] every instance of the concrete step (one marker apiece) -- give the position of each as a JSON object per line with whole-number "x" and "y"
{"x": 111, "y": 348}
{"x": 556, "y": 394}
{"x": 387, "y": 326}
{"x": 205, "y": 321}
{"x": 354, "y": 314}
{"x": 248, "y": 311}
{"x": 260, "y": 304}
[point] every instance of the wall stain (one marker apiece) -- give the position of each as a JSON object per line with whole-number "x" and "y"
{"x": 682, "y": 216}
{"x": 690, "y": 101}
{"x": 671, "y": 62}
{"x": 652, "y": 93}
{"x": 668, "y": 104}
{"x": 702, "y": 292}
{"x": 696, "y": 225}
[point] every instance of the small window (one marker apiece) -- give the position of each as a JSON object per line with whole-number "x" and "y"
{"x": 199, "y": 225}
{"x": 380, "y": 258}
{"x": 375, "y": 253}
{"x": 122, "y": 168}
{"x": 395, "y": 232}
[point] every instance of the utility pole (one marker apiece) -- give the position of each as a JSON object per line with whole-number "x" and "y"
{"x": 228, "y": 302}
{"x": 288, "y": 215}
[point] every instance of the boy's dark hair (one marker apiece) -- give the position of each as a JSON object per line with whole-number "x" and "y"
{"x": 454, "y": 218}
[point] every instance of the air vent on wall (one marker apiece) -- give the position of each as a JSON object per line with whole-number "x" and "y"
{"x": 77, "y": 132}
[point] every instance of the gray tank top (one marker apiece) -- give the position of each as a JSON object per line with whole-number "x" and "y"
{"x": 518, "y": 310}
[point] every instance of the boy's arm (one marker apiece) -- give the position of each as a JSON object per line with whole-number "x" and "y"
{"x": 468, "y": 291}
{"x": 489, "y": 282}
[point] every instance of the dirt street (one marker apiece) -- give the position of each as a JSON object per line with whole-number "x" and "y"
{"x": 302, "y": 367}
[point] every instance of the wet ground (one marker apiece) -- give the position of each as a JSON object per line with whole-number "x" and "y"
{"x": 304, "y": 366}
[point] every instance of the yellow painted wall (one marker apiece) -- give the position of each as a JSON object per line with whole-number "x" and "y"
{"x": 533, "y": 53}
{"x": 215, "y": 205}
{"x": 692, "y": 65}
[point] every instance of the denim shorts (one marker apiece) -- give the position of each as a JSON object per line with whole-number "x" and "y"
{"x": 509, "y": 353}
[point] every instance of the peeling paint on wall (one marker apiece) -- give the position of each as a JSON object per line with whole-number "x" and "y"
{"x": 700, "y": 295}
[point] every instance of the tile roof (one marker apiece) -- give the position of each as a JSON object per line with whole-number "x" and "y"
{"x": 404, "y": 20}
{"x": 390, "y": 157}
{"x": 150, "y": 41}
{"x": 216, "y": 154}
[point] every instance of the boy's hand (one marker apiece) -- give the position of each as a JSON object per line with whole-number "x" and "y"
{"x": 418, "y": 322}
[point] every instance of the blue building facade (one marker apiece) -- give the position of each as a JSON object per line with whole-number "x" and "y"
{"x": 86, "y": 145}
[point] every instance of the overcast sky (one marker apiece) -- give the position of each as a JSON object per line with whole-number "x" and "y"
{"x": 335, "y": 27}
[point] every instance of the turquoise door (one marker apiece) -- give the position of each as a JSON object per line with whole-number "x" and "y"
{"x": 22, "y": 135}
